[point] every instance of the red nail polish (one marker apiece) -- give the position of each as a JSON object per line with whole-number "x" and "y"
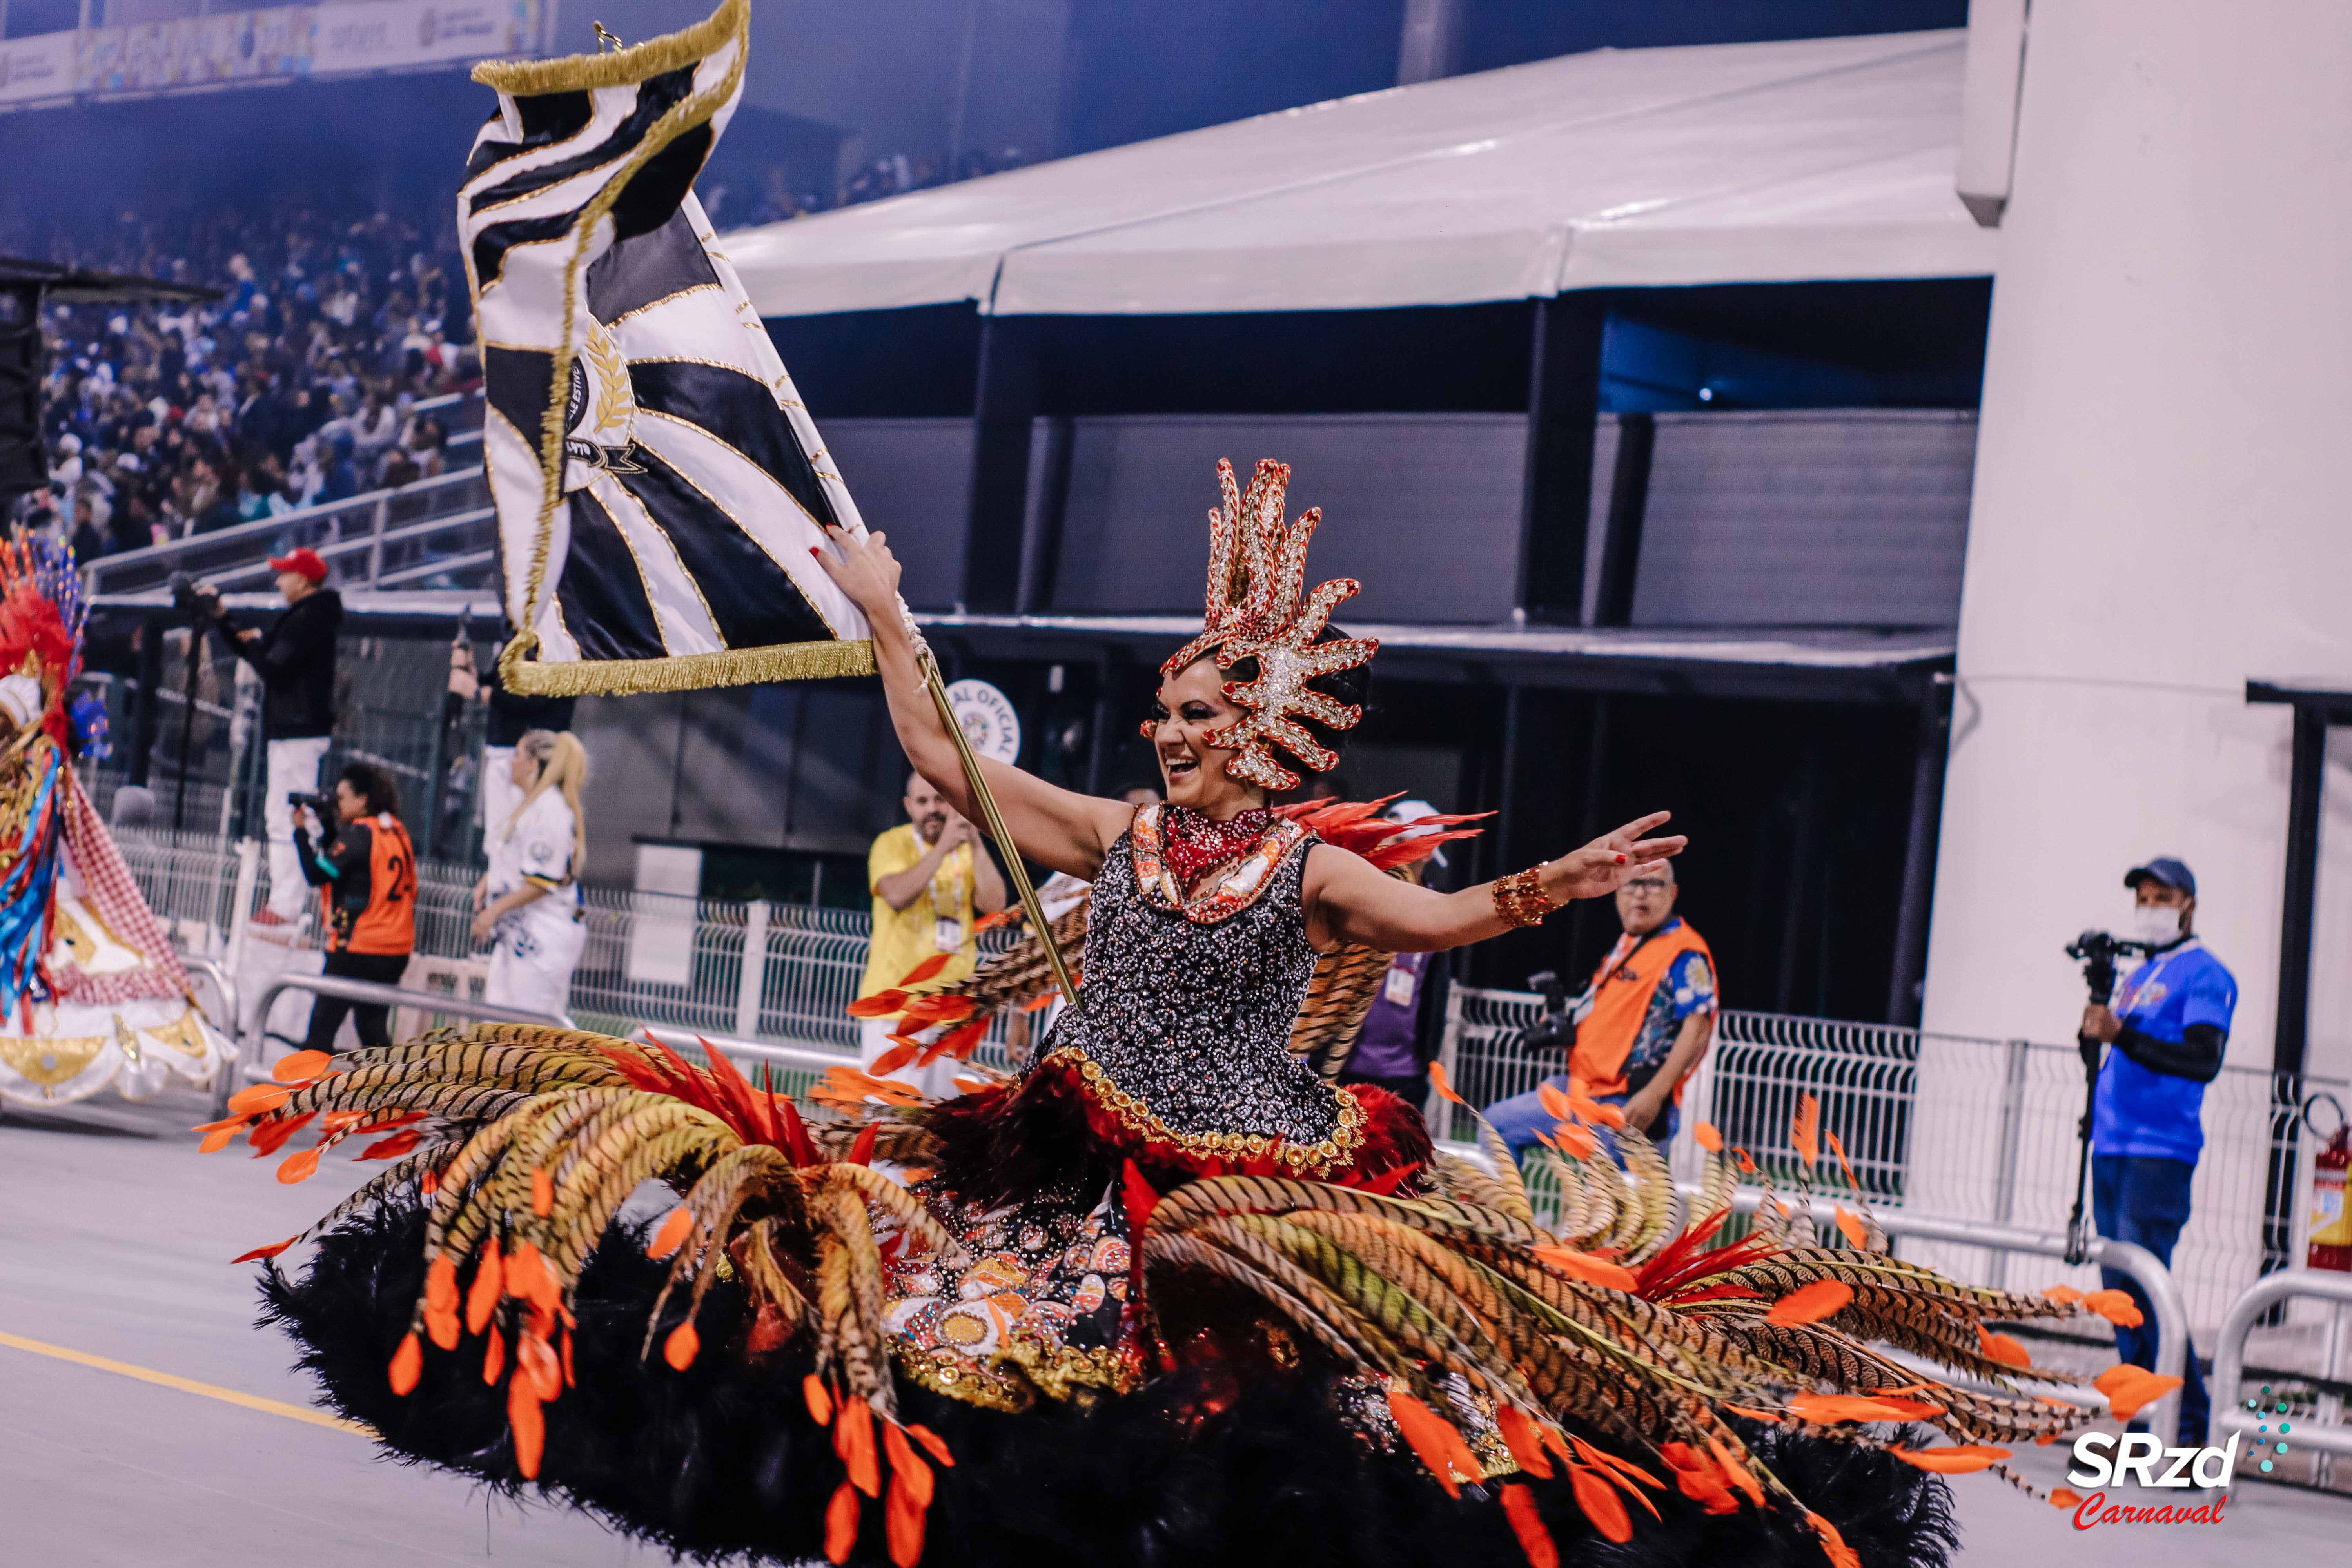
{"x": 1621, "y": 860}
{"x": 817, "y": 552}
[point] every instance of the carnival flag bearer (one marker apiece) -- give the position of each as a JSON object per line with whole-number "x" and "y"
{"x": 2169, "y": 1024}
{"x": 295, "y": 657}
{"x": 929, "y": 878}
{"x": 528, "y": 902}
{"x": 366, "y": 873}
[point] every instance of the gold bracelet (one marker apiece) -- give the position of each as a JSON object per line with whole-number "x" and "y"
{"x": 1519, "y": 898}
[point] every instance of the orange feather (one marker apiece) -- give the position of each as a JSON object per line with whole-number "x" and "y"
{"x": 853, "y": 1439}
{"x": 672, "y": 1233}
{"x": 1520, "y": 1437}
{"x": 301, "y": 1066}
{"x": 1433, "y": 1441}
{"x": 1959, "y": 1459}
{"x": 881, "y": 1004}
{"x": 682, "y": 1346}
{"x": 933, "y": 1443}
{"x": 1519, "y": 1508}
{"x": 494, "y": 1355}
{"x": 925, "y": 970}
{"x": 1707, "y": 1137}
{"x": 490, "y": 1284}
{"x": 1826, "y": 1407}
{"x": 2116, "y": 1307}
{"x": 1601, "y": 1504}
{"x": 1698, "y": 1477}
{"x": 904, "y": 1463}
{"x": 1734, "y": 1469}
{"x": 819, "y": 1398}
{"x": 1811, "y": 1304}
{"x": 841, "y": 1523}
{"x": 530, "y": 1427}
{"x": 258, "y": 1099}
{"x": 2129, "y": 1389}
{"x": 1805, "y": 1128}
{"x": 2001, "y": 1348}
{"x": 1585, "y": 1267}
{"x": 1850, "y": 1225}
{"x": 1834, "y": 1546}
{"x": 902, "y": 1521}
{"x": 1442, "y": 1084}
{"x": 407, "y": 1364}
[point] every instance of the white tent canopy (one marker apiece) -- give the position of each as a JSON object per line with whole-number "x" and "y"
{"x": 1827, "y": 158}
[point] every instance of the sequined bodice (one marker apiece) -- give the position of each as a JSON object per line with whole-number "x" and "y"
{"x": 1193, "y": 1019}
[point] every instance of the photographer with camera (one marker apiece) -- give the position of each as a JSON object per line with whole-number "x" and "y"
{"x": 2169, "y": 1025}
{"x": 1640, "y": 1027}
{"x": 295, "y": 657}
{"x": 367, "y": 868}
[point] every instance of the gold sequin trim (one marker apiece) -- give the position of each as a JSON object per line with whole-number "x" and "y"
{"x": 1333, "y": 1153}
{"x": 1012, "y": 1379}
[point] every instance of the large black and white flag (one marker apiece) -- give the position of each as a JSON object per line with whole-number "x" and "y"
{"x": 658, "y": 484}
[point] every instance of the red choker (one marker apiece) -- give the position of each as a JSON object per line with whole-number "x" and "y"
{"x": 1192, "y": 844}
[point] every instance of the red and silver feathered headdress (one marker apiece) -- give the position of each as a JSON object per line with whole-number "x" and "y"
{"x": 1258, "y": 568}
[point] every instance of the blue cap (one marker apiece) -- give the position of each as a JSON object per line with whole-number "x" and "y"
{"x": 2166, "y": 869}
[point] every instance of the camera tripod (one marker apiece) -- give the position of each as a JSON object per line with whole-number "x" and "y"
{"x": 2098, "y": 952}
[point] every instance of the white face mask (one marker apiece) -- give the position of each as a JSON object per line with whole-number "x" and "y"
{"x": 2156, "y": 924}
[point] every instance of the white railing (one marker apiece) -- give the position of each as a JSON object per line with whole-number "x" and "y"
{"x": 360, "y": 526}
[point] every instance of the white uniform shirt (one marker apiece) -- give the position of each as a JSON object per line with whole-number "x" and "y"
{"x": 537, "y": 848}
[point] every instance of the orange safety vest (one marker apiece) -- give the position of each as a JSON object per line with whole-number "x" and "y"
{"x": 388, "y": 925}
{"x": 1621, "y": 989}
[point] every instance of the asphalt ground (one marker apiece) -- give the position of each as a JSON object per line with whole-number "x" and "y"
{"x": 146, "y": 1421}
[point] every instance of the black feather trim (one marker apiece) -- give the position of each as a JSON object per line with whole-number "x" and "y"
{"x": 721, "y": 1460}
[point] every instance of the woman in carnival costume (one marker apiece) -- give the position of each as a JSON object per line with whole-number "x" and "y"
{"x": 91, "y": 993}
{"x": 1169, "y": 1297}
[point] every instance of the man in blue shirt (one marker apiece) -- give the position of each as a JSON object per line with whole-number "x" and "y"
{"x": 2169, "y": 1025}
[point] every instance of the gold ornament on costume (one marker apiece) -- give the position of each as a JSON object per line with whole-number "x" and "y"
{"x": 1257, "y": 570}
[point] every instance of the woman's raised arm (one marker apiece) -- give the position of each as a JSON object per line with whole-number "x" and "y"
{"x": 1057, "y": 828}
{"x": 1349, "y": 903}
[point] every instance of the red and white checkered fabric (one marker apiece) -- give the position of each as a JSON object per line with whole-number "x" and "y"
{"x": 114, "y": 897}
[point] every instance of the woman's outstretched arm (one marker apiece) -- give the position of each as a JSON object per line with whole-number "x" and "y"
{"x": 1348, "y": 901}
{"x": 1057, "y": 828}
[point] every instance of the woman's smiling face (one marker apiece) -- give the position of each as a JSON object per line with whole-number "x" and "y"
{"x": 1191, "y": 705}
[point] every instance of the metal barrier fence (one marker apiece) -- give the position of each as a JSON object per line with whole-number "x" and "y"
{"x": 1962, "y": 1128}
{"x": 2256, "y": 1418}
{"x": 1973, "y": 1131}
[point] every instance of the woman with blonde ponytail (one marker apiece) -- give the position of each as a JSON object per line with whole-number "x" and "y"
{"x": 528, "y": 902}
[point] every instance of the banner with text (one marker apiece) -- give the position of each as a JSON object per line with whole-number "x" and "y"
{"x": 273, "y": 43}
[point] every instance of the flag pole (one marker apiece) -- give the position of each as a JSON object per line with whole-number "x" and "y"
{"x": 994, "y": 819}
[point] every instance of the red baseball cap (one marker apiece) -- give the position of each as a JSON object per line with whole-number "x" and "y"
{"x": 306, "y": 560}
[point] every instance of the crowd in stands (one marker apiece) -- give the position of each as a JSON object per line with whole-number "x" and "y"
{"x": 300, "y": 386}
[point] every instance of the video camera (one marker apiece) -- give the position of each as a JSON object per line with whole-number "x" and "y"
{"x": 1554, "y": 1030}
{"x": 322, "y": 806}
{"x": 2097, "y": 952}
{"x": 197, "y": 601}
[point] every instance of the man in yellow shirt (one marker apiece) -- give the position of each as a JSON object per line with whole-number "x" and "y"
{"x": 929, "y": 878}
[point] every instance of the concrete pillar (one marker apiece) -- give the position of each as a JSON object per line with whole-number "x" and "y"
{"x": 2159, "y": 514}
